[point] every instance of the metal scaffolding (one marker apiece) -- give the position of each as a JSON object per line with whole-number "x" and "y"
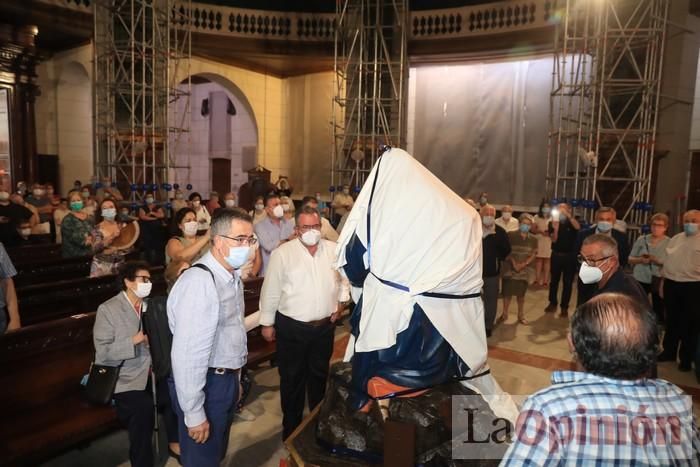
{"x": 371, "y": 70}
{"x": 141, "y": 48}
{"x": 604, "y": 105}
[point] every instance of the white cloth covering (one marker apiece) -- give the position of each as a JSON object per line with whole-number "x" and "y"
{"x": 424, "y": 237}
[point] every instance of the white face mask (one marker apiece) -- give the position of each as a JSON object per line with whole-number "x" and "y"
{"x": 4, "y": 196}
{"x": 109, "y": 213}
{"x": 278, "y": 211}
{"x": 285, "y": 207}
{"x": 190, "y": 228}
{"x": 590, "y": 274}
{"x": 506, "y": 216}
{"x": 259, "y": 207}
{"x": 26, "y": 232}
{"x": 311, "y": 237}
{"x": 143, "y": 289}
{"x": 230, "y": 203}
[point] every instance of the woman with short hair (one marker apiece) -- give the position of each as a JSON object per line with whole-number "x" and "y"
{"x": 76, "y": 229}
{"x": 119, "y": 341}
{"x": 518, "y": 272}
{"x": 647, "y": 256}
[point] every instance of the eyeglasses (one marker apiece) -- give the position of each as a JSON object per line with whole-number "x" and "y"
{"x": 144, "y": 279}
{"x": 242, "y": 239}
{"x": 591, "y": 262}
{"x": 306, "y": 228}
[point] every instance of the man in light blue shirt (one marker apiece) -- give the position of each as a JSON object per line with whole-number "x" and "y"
{"x": 273, "y": 230}
{"x": 205, "y": 314}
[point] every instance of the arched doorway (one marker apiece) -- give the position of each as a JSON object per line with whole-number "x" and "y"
{"x": 222, "y": 141}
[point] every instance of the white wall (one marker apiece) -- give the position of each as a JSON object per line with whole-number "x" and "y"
{"x": 195, "y": 153}
{"x": 306, "y": 132}
{"x": 64, "y": 113}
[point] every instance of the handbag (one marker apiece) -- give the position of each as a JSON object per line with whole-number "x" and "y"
{"x": 101, "y": 382}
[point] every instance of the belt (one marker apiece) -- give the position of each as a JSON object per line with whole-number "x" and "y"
{"x": 222, "y": 371}
{"x": 319, "y": 322}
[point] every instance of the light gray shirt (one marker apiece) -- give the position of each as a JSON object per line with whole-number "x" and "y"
{"x": 116, "y": 323}
{"x": 270, "y": 235}
{"x": 206, "y": 320}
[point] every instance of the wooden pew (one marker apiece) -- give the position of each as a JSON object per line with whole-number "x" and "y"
{"x": 44, "y": 302}
{"x": 39, "y": 385}
{"x": 23, "y": 254}
{"x": 52, "y": 269}
{"x": 41, "y": 270}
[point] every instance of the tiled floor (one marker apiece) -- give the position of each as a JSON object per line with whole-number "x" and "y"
{"x": 521, "y": 358}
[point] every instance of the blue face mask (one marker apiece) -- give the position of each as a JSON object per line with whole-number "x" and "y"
{"x": 690, "y": 229}
{"x": 237, "y": 256}
{"x": 546, "y": 210}
{"x": 524, "y": 228}
{"x": 604, "y": 227}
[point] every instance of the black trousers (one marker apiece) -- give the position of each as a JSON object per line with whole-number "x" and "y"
{"x": 564, "y": 267}
{"x": 135, "y": 412}
{"x": 682, "y": 319}
{"x": 303, "y": 355}
{"x": 657, "y": 302}
{"x": 165, "y": 408}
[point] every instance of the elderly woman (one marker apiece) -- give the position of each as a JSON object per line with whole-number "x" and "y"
{"x": 187, "y": 246}
{"x": 517, "y": 271}
{"x": 120, "y": 341}
{"x": 203, "y": 216}
{"x": 106, "y": 260}
{"x": 648, "y": 255}
{"x": 76, "y": 229}
{"x": 288, "y": 207}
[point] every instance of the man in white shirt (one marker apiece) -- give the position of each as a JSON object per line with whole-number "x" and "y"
{"x": 327, "y": 230}
{"x": 300, "y": 300}
{"x": 506, "y": 221}
{"x": 681, "y": 289}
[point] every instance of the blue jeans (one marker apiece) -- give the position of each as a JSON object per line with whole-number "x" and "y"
{"x": 221, "y": 393}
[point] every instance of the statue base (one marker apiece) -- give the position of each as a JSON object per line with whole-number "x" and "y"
{"x": 336, "y": 434}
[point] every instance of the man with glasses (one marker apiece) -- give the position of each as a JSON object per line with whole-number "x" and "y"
{"x": 600, "y": 268}
{"x": 273, "y": 230}
{"x": 205, "y": 314}
{"x": 606, "y": 218}
{"x": 300, "y": 300}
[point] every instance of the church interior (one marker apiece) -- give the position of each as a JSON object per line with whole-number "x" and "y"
{"x": 533, "y": 123}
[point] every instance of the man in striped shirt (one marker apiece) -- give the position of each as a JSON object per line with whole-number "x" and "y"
{"x": 610, "y": 412}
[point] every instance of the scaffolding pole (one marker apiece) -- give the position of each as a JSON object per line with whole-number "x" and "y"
{"x": 371, "y": 76}
{"x": 604, "y": 105}
{"x": 140, "y": 49}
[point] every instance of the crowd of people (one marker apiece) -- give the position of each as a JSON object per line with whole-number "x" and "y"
{"x": 210, "y": 246}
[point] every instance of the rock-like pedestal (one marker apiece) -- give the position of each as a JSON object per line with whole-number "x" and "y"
{"x": 335, "y": 434}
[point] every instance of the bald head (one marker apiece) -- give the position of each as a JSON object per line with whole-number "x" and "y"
{"x": 615, "y": 336}
{"x": 691, "y": 217}
{"x": 487, "y": 210}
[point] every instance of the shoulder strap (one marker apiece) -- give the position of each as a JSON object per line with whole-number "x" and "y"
{"x": 206, "y": 268}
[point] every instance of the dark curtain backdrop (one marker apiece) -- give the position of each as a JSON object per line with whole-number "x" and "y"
{"x": 483, "y": 127}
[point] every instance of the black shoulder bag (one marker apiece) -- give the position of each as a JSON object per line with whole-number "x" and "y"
{"x": 102, "y": 380}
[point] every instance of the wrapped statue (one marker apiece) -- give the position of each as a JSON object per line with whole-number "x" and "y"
{"x": 411, "y": 249}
